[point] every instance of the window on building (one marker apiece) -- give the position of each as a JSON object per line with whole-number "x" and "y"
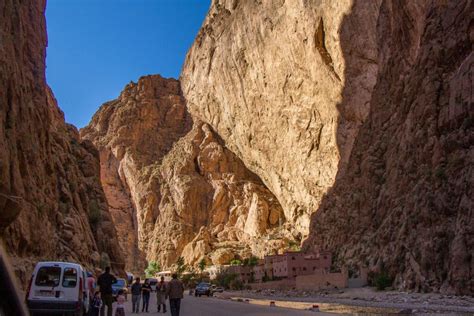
{"x": 304, "y": 268}
{"x": 325, "y": 257}
{"x": 293, "y": 258}
{"x": 294, "y": 269}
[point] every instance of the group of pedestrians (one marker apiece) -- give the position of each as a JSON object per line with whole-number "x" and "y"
{"x": 172, "y": 290}
{"x": 103, "y": 299}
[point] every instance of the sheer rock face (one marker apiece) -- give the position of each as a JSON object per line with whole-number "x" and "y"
{"x": 270, "y": 77}
{"x": 133, "y": 133}
{"x": 190, "y": 195}
{"x": 406, "y": 200}
{"x": 51, "y": 202}
{"x": 358, "y": 112}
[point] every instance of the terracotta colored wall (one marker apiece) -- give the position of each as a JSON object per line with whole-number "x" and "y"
{"x": 321, "y": 280}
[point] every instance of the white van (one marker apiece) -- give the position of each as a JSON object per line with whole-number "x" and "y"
{"x": 58, "y": 288}
{"x": 166, "y": 274}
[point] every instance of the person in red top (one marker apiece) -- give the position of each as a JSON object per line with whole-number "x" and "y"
{"x": 91, "y": 285}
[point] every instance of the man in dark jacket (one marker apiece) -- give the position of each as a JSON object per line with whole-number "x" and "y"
{"x": 175, "y": 291}
{"x": 105, "y": 282}
{"x": 136, "y": 294}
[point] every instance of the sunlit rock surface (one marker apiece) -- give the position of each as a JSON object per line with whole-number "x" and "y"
{"x": 359, "y": 113}
{"x": 272, "y": 79}
{"x": 189, "y": 194}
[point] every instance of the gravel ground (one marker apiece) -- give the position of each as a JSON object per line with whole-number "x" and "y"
{"x": 363, "y": 300}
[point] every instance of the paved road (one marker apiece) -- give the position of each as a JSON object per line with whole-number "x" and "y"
{"x": 210, "y": 306}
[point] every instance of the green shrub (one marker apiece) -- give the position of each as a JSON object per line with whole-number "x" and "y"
{"x": 236, "y": 262}
{"x": 236, "y": 284}
{"x": 180, "y": 266}
{"x": 382, "y": 280}
{"x": 294, "y": 245}
{"x": 202, "y": 265}
{"x": 225, "y": 279}
{"x": 152, "y": 269}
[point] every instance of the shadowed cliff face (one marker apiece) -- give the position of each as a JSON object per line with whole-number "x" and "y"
{"x": 172, "y": 186}
{"x": 359, "y": 113}
{"x": 51, "y": 202}
{"x": 405, "y": 201}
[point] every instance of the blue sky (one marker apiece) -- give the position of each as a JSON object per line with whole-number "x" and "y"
{"x": 96, "y": 47}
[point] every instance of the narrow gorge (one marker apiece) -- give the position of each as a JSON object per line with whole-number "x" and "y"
{"x": 344, "y": 126}
{"x": 173, "y": 187}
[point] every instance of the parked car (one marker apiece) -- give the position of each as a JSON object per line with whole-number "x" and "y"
{"x": 203, "y": 289}
{"x": 121, "y": 284}
{"x": 217, "y": 289}
{"x": 58, "y": 288}
{"x": 153, "y": 282}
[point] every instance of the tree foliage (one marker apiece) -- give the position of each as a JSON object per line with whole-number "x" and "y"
{"x": 152, "y": 269}
{"x": 180, "y": 266}
{"x": 202, "y": 264}
{"x": 236, "y": 262}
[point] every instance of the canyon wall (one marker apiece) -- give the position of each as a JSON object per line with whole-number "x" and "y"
{"x": 173, "y": 187}
{"x": 271, "y": 78}
{"x": 52, "y": 206}
{"x": 358, "y": 116}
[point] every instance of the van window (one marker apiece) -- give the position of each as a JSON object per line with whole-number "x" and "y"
{"x": 48, "y": 276}
{"x": 70, "y": 277}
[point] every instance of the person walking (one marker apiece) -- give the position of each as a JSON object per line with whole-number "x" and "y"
{"x": 161, "y": 294}
{"x": 146, "y": 291}
{"x": 105, "y": 282}
{"x": 175, "y": 290}
{"x": 136, "y": 293}
{"x": 96, "y": 305}
{"x": 91, "y": 285}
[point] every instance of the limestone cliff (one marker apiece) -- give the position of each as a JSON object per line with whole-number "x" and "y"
{"x": 358, "y": 113}
{"x": 173, "y": 187}
{"x": 51, "y": 202}
{"x": 273, "y": 81}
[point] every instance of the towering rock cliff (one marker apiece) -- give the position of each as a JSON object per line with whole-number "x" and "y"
{"x": 173, "y": 187}
{"x": 273, "y": 81}
{"x": 358, "y": 113}
{"x": 51, "y": 202}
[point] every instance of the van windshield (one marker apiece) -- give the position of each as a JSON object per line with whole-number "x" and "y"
{"x": 48, "y": 276}
{"x": 70, "y": 277}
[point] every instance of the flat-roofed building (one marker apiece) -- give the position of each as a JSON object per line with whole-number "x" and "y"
{"x": 292, "y": 264}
